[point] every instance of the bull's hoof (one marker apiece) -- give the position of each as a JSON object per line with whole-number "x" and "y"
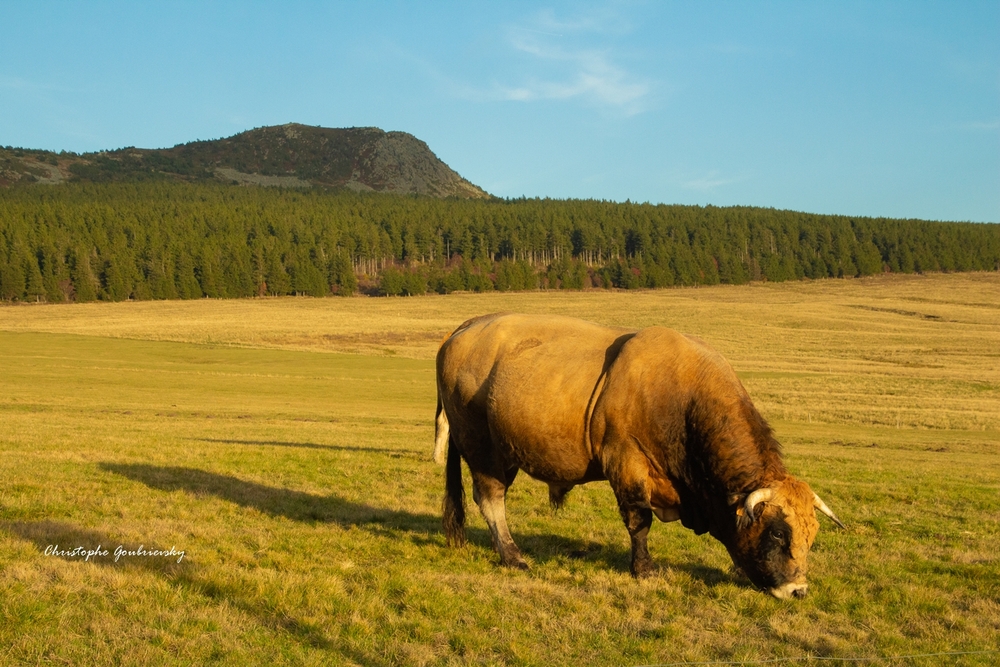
{"x": 518, "y": 564}
{"x": 643, "y": 569}
{"x": 514, "y": 561}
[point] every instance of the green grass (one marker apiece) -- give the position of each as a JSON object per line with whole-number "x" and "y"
{"x": 300, "y": 487}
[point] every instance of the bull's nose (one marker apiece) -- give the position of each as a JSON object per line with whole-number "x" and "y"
{"x": 790, "y": 590}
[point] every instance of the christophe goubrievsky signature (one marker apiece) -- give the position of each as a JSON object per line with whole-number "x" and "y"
{"x": 141, "y": 551}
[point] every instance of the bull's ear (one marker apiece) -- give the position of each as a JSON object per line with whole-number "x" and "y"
{"x": 736, "y": 500}
{"x": 756, "y": 498}
{"x": 743, "y": 519}
{"x": 745, "y": 515}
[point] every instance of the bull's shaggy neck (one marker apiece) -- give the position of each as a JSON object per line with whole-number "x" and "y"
{"x": 738, "y": 445}
{"x": 768, "y": 449}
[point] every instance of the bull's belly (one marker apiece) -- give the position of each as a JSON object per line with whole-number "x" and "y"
{"x": 562, "y": 476}
{"x": 538, "y": 418}
{"x": 551, "y": 460}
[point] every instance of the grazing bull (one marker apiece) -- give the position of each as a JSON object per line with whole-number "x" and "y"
{"x": 658, "y": 414}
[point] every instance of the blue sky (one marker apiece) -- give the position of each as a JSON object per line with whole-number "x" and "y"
{"x": 868, "y": 108}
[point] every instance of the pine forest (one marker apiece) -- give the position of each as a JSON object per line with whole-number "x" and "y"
{"x": 168, "y": 240}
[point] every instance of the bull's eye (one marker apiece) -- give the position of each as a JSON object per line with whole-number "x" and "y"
{"x": 778, "y": 535}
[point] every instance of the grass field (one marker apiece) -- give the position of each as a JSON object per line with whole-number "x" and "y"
{"x": 284, "y": 446}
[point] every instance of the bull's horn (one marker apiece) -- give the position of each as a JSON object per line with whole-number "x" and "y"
{"x": 758, "y": 496}
{"x": 821, "y": 506}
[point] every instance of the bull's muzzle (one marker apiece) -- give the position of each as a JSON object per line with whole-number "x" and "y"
{"x": 789, "y": 590}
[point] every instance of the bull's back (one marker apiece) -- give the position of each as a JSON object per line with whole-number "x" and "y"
{"x": 526, "y": 383}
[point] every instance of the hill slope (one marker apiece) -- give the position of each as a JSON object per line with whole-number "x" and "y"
{"x": 292, "y": 155}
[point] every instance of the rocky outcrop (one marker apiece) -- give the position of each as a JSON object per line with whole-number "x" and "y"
{"x": 292, "y": 155}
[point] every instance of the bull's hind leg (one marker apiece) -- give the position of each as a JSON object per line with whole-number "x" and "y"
{"x": 489, "y": 492}
{"x": 454, "y": 499}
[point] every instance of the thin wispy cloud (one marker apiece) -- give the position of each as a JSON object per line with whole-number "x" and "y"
{"x": 541, "y": 32}
{"x": 604, "y": 20}
{"x": 558, "y": 60}
{"x": 18, "y": 84}
{"x": 591, "y": 76}
{"x": 980, "y": 125}
{"x": 574, "y": 68}
{"x": 13, "y": 83}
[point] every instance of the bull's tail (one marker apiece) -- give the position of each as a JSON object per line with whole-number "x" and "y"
{"x": 454, "y": 499}
{"x": 441, "y": 428}
{"x": 441, "y": 432}
{"x": 453, "y": 507}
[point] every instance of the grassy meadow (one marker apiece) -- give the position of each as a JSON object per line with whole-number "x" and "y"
{"x": 284, "y": 446}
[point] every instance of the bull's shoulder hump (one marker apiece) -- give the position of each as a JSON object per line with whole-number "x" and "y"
{"x": 663, "y": 339}
{"x": 517, "y": 326}
{"x": 683, "y": 353}
{"x": 676, "y": 341}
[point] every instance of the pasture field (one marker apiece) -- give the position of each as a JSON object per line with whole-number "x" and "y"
{"x": 284, "y": 446}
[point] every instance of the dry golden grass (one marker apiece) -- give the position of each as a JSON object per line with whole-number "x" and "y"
{"x": 299, "y": 484}
{"x": 907, "y": 351}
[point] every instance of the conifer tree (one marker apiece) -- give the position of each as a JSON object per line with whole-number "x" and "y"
{"x": 82, "y": 276}
{"x": 34, "y": 284}
{"x": 187, "y": 283}
{"x": 12, "y": 278}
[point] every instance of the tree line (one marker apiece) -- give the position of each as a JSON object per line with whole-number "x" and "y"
{"x": 167, "y": 240}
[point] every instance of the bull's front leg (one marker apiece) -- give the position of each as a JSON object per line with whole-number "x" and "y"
{"x": 628, "y": 472}
{"x": 638, "y": 521}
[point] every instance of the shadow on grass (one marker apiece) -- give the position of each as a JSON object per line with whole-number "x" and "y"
{"x": 392, "y": 453}
{"x": 712, "y": 576}
{"x": 311, "y": 508}
{"x": 543, "y": 548}
{"x": 295, "y": 505}
{"x": 424, "y": 529}
{"x": 238, "y": 591}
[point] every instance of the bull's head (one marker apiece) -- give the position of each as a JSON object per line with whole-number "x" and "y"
{"x": 775, "y": 528}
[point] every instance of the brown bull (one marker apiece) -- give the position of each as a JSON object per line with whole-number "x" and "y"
{"x": 658, "y": 414}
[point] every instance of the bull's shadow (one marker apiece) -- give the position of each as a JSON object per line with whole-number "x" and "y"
{"x": 391, "y": 453}
{"x": 295, "y": 505}
{"x": 422, "y": 528}
{"x": 311, "y": 508}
